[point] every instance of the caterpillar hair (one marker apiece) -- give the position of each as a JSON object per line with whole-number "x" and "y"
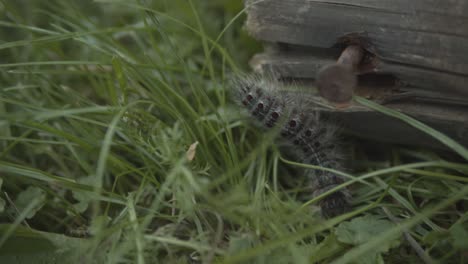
{"x": 312, "y": 138}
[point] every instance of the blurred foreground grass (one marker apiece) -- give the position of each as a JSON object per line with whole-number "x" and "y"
{"x": 118, "y": 144}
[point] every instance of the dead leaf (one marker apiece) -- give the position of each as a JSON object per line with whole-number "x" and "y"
{"x": 191, "y": 151}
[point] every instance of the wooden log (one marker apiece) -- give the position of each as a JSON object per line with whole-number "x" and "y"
{"x": 430, "y": 36}
{"x": 305, "y": 65}
{"x": 420, "y": 48}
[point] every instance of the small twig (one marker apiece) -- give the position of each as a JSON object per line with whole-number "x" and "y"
{"x": 16, "y": 209}
{"x": 414, "y": 244}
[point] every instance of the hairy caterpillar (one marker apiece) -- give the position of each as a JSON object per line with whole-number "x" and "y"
{"x": 310, "y": 137}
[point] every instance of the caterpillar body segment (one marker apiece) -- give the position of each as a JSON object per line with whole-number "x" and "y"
{"x": 311, "y": 138}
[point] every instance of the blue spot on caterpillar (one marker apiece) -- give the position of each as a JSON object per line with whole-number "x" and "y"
{"x": 310, "y": 137}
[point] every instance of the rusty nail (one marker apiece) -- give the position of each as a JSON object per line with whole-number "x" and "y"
{"x": 336, "y": 82}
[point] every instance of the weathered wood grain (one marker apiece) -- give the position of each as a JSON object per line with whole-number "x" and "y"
{"x": 424, "y": 82}
{"x": 424, "y": 42}
{"x": 445, "y": 112}
{"x": 372, "y": 125}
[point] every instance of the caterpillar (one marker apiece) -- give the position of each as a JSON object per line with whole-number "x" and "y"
{"x": 311, "y": 138}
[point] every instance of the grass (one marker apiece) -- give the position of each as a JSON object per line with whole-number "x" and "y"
{"x": 100, "y": 104}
